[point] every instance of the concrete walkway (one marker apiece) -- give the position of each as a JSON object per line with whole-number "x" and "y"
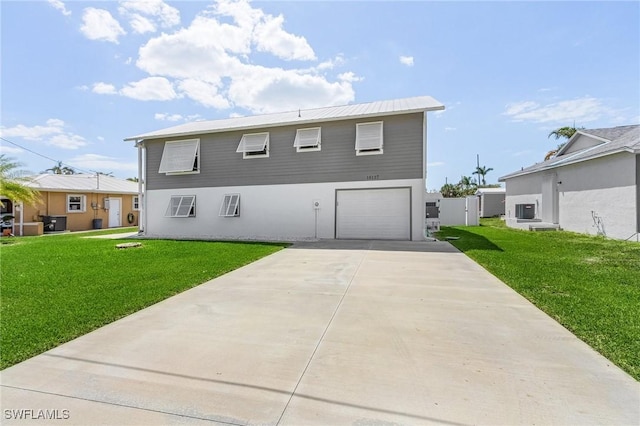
{"x": 330, "y": 333}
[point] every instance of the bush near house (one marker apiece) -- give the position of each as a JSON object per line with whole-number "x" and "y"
{"x": 588, "y": 284}
{"x": 56, "y": 288}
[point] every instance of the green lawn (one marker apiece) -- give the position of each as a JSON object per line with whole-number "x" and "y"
{"x": 58, "y": 287}
{"x": 588, "y": 284}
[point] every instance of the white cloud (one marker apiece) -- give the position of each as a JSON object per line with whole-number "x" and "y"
{"x": 150, "y": 89}
{"x": 436, "y": 164}
{"x": 57, "y": 4}
{"x": 52, "y": 133}
{"x": 4, "y": 149}
{"x": 98, "y": 24}
{"x": 141, "y": 25}
{"x": 450, "y": 129}
{"x": 157, "y": 13}
{"x": 581, "y": 110}
{"x": 101, "y": 163}
{"x": 406, "y": 60}
{"x": 203, "y": 92}
{"x": 269, "y": 36}
{"x": 104, "y": 89}
{"x": 210, "y": 62}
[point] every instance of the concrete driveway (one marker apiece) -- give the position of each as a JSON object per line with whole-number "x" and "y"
{"x": 330, "y": 333}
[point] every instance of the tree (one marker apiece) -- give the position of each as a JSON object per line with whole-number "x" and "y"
{"x": 467, "y": 186}
{"x": 482, "y": 173}
{"x": 560, "y": 133}
{"x": 450, "y": 190}
{"x": 12, "y": 185}
{"x": 59, "y": 169}
{"x": 132, "y": 179}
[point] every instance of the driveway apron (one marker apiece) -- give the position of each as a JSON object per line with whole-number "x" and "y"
{"x": 329, "y": 333}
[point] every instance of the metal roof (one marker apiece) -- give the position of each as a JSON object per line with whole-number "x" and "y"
{"x": 491, "y": 191}
{"x": 82, "y": 183}
{"x": 613, "y": 140}
{"x": 306, "y": 116}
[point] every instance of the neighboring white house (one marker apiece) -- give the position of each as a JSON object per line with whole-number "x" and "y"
{"x": 491, "y": 201}
{"x": 354, "y": 171}
{"x": 592, "y": 186}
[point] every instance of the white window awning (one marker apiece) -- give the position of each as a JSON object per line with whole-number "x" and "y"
{"x": 230, "y": 206}
{"x": 307, "y": 138}
{"x": 369, "y": 136}
{"x": 253, "y": 142}
{"x": 179, "y": 156}
{"x": 181, "y": 206}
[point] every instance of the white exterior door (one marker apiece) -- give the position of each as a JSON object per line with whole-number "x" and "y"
{"x": 383, "y": 213}
{"x": 115, "y": 212}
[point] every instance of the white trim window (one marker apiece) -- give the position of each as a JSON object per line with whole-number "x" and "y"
{"x": 135, "y": 202}
{"x": 180, "y": 157}
{"x": 369, "y": 139}
{"x": 230, "y": 206}
{"x": 76, "y": 203}
{"x": 254, "y": 145}
{"x": 308, "y": 139}
{"x": 181, "y": 206}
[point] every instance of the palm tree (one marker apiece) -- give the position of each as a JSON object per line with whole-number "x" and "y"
{"x": 467, "y": 185}
{"x": 59, "y": 169}
{"x": 12, "y": 185}
{"x": 564, "y": 133}
{"x": 482, "y": 173}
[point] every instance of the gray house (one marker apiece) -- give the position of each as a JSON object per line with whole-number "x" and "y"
{"x": 491, "y": 201}
{"x": 592, "y": 186}
{"x": 354, "y": 171}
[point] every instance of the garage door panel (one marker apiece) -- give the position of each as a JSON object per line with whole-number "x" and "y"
{"x": 373, "y": 214}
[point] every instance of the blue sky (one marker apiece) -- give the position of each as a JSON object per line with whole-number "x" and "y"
{"x": 78, "y": 77}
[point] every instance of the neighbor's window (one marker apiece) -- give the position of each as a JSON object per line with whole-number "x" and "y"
{"x": 136, "y": 202}
{"x": 230, "y": 205}
{"x": 307, "y": 139}
{"x": 76, "y": 203}
{"x": 180, "y": 157}
{"x": 369, "y": 138}
{"x": 254, "y": 145}
{"x": 181, "y": 206}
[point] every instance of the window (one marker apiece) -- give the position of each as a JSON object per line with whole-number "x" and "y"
{"x": 136, "y": 202}
{"x": 253, "y": 145}
{"x": 230, "y": 206}
{"x": 76, "y": 203}
{"x": 307, "y": 140}
{"x": 181, "y": 206}
{"x": 369, "y": 138}
{"x": 180, "y": 157}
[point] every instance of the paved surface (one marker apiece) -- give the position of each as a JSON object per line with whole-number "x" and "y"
{"x": 330, "y": 333}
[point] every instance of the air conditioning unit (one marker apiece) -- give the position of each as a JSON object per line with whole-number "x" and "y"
{"x": 525, "y": 211}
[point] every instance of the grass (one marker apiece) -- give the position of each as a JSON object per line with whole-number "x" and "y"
{"x": 588, "y": 284}
{"x": 56, "y": 288}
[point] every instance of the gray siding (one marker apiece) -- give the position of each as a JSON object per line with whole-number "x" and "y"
{"x": 638, "y": 191}
{"x": 220, "y": 165}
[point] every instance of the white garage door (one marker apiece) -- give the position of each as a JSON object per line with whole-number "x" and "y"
{"x": 373, "y": 214}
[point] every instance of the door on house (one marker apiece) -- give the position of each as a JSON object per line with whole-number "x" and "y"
{"x": 549, "y": 208}
{"x": 115, "y": 212}
{"x": 382, "y": 213}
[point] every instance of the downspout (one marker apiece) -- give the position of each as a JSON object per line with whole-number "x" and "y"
{"x": 423, "y": 214}
{"x": 142, "y": 200}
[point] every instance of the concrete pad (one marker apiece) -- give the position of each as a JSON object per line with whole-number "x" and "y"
{"x": 333, "y": 332}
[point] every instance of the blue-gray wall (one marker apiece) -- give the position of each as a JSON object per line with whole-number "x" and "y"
{"x": 220, "y": 165}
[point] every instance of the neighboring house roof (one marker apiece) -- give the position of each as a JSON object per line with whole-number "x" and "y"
{"x": 611, "y": 140}
{"x": 372, "y": 109}
{"x": 491, "y": 191}
{"x": 82, "y": 183}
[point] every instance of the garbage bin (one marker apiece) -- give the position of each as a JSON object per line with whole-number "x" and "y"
{"x": 97, "y": 223}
